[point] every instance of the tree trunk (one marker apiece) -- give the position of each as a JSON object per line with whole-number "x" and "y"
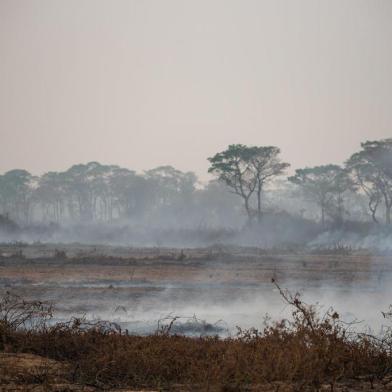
{"x": 340, "y": 213}
{"x": 259, "y": 205}
{"x": 388, "y": 206}
{"x": 374, "y": 217}
{"x": 322, "y": 216}
{"x": 247, "y": 208}
{"x": 388, "y": 214}
{"x": 373, "y": 210}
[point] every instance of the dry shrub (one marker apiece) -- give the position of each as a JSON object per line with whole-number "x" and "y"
{"x": 306, "y": 351}
{"x": 18, "y": 314}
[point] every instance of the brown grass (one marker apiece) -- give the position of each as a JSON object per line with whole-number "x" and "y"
{"x": 306, "y": 351}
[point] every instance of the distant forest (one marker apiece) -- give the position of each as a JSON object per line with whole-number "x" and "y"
{"x": 250, "y": 183}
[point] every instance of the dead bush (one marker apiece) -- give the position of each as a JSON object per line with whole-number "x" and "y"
{"x": 17, "y": 313}
{"x": 308, "y": 350}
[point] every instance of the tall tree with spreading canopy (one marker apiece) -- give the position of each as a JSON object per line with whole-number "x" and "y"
{"x": 324, "y": 185}
{"x": 246, "y": 170}
{"x": 371, "y": 169}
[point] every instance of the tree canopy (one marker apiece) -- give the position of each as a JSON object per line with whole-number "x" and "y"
{"x": 245, "y": 170}
{"x": 371, "y": 169}
{"x": 324, "y": 185}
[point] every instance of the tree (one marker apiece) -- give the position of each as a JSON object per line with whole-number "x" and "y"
{"x": 245, "y": 170}
{"x": 79, "y": 192}
{"x": 324, "y": 185}
{"x": 265, "y": 164}
{"x": 371, "y": 169}
{"x": 86, "y": 186}
{"x": 51, "y": 195}
{"x": 16, "y": 189}
{"x": 217, "y": 207}
{"x": 172, "y": 186}
{"x": 132, "y": 193}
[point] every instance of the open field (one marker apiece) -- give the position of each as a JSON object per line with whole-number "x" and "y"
{"x": 138, "y": 287}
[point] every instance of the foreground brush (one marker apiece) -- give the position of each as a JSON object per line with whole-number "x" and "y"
{"x": 307, "y": 352}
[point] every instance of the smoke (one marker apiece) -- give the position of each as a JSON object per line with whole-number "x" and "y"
{"x": 209, "y": 291}
{"x": 218, "y": 282}
{"x": 216, "y": 310}
{"x": 279, "y": 230}
{"x": 379, "y": 240}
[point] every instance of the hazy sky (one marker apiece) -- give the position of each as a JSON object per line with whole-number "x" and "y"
{"x": 142, "y": 83}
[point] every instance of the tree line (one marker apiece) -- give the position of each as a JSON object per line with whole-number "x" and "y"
{"x": 246, "y": 170}
{"x": 249, "y": 179}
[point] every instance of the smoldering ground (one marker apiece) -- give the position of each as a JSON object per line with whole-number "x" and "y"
{"x": 208, "y": 290}
{"x": 277, "y": 230}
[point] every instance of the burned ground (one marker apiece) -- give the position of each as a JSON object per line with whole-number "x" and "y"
{"x": 145, "y": 290}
